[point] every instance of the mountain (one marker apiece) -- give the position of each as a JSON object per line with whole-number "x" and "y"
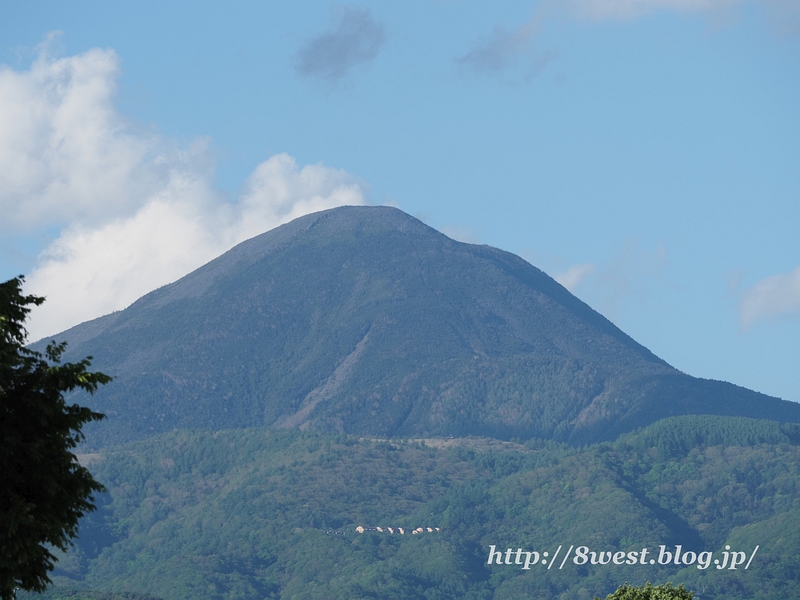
{"x": 364, "y": 320}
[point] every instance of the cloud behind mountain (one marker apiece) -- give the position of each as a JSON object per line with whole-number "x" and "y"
{"x": 133, "y": 209}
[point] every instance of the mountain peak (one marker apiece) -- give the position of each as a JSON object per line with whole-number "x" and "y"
{"x": 367, "y": 321}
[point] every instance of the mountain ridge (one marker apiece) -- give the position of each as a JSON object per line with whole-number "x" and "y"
{"x": 364, "y": 320}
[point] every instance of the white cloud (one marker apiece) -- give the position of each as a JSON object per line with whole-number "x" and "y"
{"x": 574, "y": 276}
{"x": 89, "y": 272}
{"x": 277, "y": 192}
{"x": 628, "y": 276}
{"x": 630, "y": 9}
{"x": 65, "y": 152}
{"x": 784, "y": 14}
{"x": 772, "y": 297}
{"x": 136, "y": 210}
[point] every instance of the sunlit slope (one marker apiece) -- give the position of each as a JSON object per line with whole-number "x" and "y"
{"x": 260, "y": 513}
{"x": 366, "y": 321}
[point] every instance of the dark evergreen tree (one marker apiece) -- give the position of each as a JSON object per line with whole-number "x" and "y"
{"x": 44, "y": 491}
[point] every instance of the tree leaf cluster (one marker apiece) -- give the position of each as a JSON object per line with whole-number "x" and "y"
{"x": 650, "y": 592}
{"x": 45, "y": 491}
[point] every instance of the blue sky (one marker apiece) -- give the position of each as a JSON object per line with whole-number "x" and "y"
{"x": 646, "y": 153}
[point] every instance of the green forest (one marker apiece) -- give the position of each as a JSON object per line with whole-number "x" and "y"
{"x": 264, "y": 513}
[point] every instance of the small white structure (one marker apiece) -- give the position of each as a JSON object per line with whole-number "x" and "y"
{"x": 400, "y": 530}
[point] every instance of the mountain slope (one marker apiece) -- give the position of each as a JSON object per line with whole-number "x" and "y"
{"x": 364, "y": 320}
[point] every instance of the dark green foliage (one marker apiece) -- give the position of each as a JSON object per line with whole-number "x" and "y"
{"x": 44, "y": 490}
{"x": 244, "y": 514}
{"x": 676, "y": 436}
{"x": 649, "y": 592}
{"x": 364, "y": 320}
{"x": 778, "y": 562}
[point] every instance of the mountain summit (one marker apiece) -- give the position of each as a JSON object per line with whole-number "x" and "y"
{"x": 366, "y": 321}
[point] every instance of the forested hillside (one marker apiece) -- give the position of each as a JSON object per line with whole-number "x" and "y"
{"x": 261, "y": 513}
{"x": 354, "y": 405}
